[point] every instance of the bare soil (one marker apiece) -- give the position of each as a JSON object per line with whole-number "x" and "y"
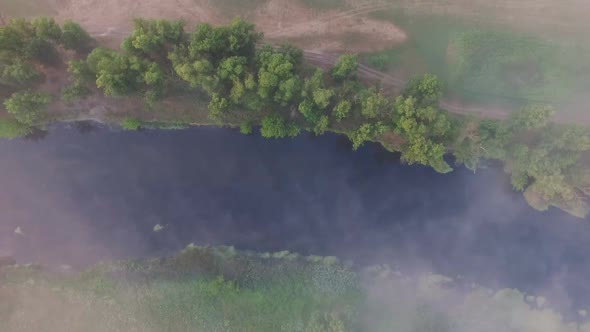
{"x": 280, "y": 20}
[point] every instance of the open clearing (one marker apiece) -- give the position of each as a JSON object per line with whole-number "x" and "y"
{"x": 399, "y": 37}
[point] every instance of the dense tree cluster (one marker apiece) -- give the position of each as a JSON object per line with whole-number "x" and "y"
{"x": 250, "y": 84}
{"x": 27, "y": 48}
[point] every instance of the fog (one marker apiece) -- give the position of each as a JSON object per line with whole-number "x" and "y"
{"x": 78, "y": 197}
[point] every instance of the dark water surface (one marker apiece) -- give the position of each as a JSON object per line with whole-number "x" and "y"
{"x": 80, "y": 196}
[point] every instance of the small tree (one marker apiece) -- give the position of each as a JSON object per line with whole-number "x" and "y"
{"x": 274, "y": 126}
{"x": 426, "y": 89}
{"x": 342, "y": 110}
{"x": 322, "y": 125}
{"x": 10, "y": 128}
{"x": 74, "y": 37}
{"x": 246, "y": 128}
{"x": 532, "y": 117}
{"x": 27, "y": 107}
{"x": 20, "y": 72}
{"x": 346, "y": 68}
{"x": 47, "y": 29}
{"x": 374, "y": 104}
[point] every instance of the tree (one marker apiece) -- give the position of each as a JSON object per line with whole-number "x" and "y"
{"x": 322, "y": 125}
{"x": 342, "y": 110}
{"x": 218, "y": 106}
{"x": 154, "y": 37}
{"x": 274, "y": 126}
{"x": 246, "y": 128}
{"x": 422, "y": 127}
{"x": 374, "y": 104}
{"x": 426, "y": 89}
{"x": 346, "y": 68}
{"x": 20, "y": 72}
{"x": 27, "y": 107}
{"x": 217, "y": 43}
{"x": 74, "y": 91}
{"x": 366, "y": 132}
{"x": 74, "y": 37}
{"x": 10, "y": 128}
{"x": 47, "y": 29}
{"x": 532, "y": 117}
{"x": 130, "y": 124}
{"x": 42, "y": 50}
{"x": 277, "y": 80}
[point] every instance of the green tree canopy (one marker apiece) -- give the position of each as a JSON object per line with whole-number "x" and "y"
{"x": 342, "y": 110}
{"x": 47, "y": 29}
{"x": 374, "y": 104}
{"x": 74, "y": 37}
{"x": 426, "y": 89}
{"x": 423, "y": 128}
{"x": 277, "y": 79}
{"x": 154, "y": 37}
{"x": 346, "y": 68}
{"x": 274, "y": 126}
{"x": 27, "y": 107}
{"x": 532, "y": 117}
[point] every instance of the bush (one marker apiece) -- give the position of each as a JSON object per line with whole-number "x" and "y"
{"x": 346, "y": 67}
{"x": 342, "y": 110}
{"x": 20, "y": 72}
{"x": 73, "y": 92}
{"x": 74, "y": 37}
{"x": 10, "y": 128}
{"x": 246, "y": 128}
{"x": 27, "y": 106}
{"x": 274, "y": 126}
{"x": 131, "y": 124}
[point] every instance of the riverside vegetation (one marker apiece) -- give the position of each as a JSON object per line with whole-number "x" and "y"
{"x": 221, "y": 289}
{"x": 248, "y": 84}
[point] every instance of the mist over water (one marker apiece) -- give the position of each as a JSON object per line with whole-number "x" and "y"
{"x": 80, "y": 196}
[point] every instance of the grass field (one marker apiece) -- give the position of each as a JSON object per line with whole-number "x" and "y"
{"x": 484, "y": 62}
{"x": 207, "y": 289}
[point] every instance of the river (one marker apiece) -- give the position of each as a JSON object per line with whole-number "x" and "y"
{"x": 84, "y": 193}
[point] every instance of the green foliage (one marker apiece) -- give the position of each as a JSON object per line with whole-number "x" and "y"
{"x": 120, "y": 74}
{"x": 131, "y": 124}
{"x": 218, "y": 107}
{"x": 423, "y": 128}
{"x": 20, "y": 72}
{"x": 43, "y": 51}
{"x": 322, "y": 125}
{"x": 346, "y": 68}
{"x": 274, "y": 126}
{"x": 74, "y": 37}
{"x": 246, "y": 128}
{"x": 154, "y": 37}
{"x": 74, "y": 91}
{"x": 47, "y": 29}
{"x": 342, "y": 110}
{"x": 27, "y": 107}
{"x": 374, "y": 104}
{"x": 10, "y": 128}
{"x": 532, "y": 117}
{"x": 277, "y": 80}
{"x": 426, "y": 89}
{"x": 366, "y": 132}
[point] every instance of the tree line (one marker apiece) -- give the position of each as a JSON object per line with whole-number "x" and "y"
{"x": 251, "y": 84}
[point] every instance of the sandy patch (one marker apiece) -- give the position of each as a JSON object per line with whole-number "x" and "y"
{"x": 102, "y": 15}
{"x": 333, "y": 31}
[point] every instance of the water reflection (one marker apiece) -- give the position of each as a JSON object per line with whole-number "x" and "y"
{"x": 82, "y": 195}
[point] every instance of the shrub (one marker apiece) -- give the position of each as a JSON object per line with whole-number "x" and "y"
{"x": 27, "y": 106}
{"x": 131, "y": 124}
